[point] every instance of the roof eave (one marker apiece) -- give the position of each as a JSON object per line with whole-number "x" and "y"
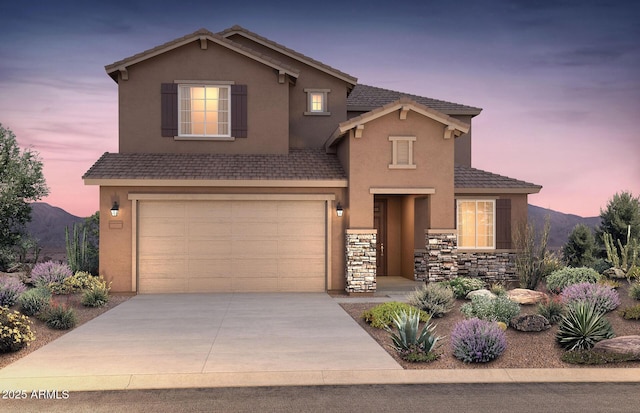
{"x": 257, "y": 183}
{"x": 497, "y": 190}
{"x": 456, "y": 112}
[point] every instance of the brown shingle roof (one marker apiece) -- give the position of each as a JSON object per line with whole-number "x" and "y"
{"x": 114, "y": 67}
{"x": 292, "y": 53}
{"x": 364, "y": 98}
{"x": 299, "y": 164}
{"x": 471, "y": 179}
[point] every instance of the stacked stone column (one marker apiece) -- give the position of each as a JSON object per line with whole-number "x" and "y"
{"x": 439, "y": 261}
{"x": 361, "y": 261}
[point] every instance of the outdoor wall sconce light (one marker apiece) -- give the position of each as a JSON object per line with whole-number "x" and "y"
{"x": 339, "y": 210}
{"x": 115, "y": 209}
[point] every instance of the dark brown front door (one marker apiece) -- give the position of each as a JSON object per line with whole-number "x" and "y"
{"x": 380, "y": 224}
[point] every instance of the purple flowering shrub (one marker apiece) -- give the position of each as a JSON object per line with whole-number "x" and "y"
{"x": 50, "y": 272}
{"x": 603, "y": 298}
{"x": 477, "y": 341}
{"x": 10, "y": 290}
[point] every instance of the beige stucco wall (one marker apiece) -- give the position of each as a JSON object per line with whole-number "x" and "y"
{"x": 139, "y": 101}
{"x": 370, "y": 156}
{"x": 116, "y": 242}
{"x": 463, "y": 143}
{"x": 308, "y": 131}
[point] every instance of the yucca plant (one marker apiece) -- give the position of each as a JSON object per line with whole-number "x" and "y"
{"x": 409, "y": 339}
{"x": 582, "y": 327}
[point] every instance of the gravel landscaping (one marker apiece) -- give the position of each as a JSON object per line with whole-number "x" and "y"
{"x": 524, "y": 349}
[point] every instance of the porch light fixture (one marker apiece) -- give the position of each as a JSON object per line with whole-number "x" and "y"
{"x": 115, "y": 209}
{"x": 339, "y": 210}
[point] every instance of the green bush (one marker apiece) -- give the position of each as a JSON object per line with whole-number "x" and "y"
{"x": 498, "y": 288}
{"x": 462, "y": 286}
{"x": 15, "y": 330}
{"x": 582, "y": 327}
{"x": 78, "y": 282}
{"x": 96, "y": 296}
{"x": 436, "y": 299}
{"x": 34, "y": 300}
{"x": 498, "y": 308}
{"x": 631, "y": 313}
{"x": 634, "y": 290}
{"x": 411, "y": 342}
{"x": 382, "y": 315}
{"x": 559, "y": 279}
{"x": 552, "y": 309}
{"x": 59, "y": 316}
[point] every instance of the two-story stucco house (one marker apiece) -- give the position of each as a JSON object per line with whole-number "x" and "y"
{"x": 244, "y": 165}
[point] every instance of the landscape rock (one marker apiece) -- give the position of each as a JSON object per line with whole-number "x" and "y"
{"x": 530, "y": 322}
{"x": 624, "y": 345}
{"x": 614, "y": 273}
{"x": 524, "y": 296}
{"x": 483, "y": 292}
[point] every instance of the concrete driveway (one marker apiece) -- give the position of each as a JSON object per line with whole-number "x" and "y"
{"x": 209, "y": 333}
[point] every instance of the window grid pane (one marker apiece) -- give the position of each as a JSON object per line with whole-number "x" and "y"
{"x": 476, "y": 224}
{"x": 204, "y": 111}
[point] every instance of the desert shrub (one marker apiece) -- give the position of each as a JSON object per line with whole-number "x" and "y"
{"x": 591, "y": 357}
{"x": 59, "y": 316}
{"x": 10, "y": 290}
{"x": 498, "y": 308}
{"x": 477, "y": 341}
{"x": 559, "y": 279}
{"x": 436, "y": 299}
{"x": 552, "y": 309}
{"x": 582, "y": 327}
{"x": 50, "y": 273}
{"x": 34, "y": 300}
{"x": 601, "y": 297}
{"x": 79, "y": 281}
{"x": 382, "y": 315}
{"x": 462, "y": 286}
{"x": 634, "y": 290}
{"x": 498, "y": 288}
{"x": 631, "y": 313}
{"x": 95, "y": 296}
{"x": 15, "y": 330}
{"x": 412, "y": 343}
{"x": 600, "y": 265}
{"x": 633, "y": 273}
{"x": 609, "y": 283}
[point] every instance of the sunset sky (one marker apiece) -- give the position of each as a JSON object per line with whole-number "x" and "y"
{"x": 558, "y": 81}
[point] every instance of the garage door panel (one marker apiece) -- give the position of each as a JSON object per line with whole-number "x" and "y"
{"x": 200, "y": 247}
{"x": 216, "y": 246}
{"x": 210, "y": 230}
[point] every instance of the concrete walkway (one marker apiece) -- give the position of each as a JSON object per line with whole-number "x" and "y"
{"x": 222, "y": 340}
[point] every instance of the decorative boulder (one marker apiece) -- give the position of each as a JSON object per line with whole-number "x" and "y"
{"x": 530, "y": 322}
{"x": 483, "y": 292}
{"x": 614, "y": 273}
{"x": 624, "y": 345}
{"x": 524, "y": 296}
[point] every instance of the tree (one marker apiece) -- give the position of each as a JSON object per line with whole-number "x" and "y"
{"x": 21, "y": 182}
{"x": 580, "y": 247}
{"x": 622, "y": 212}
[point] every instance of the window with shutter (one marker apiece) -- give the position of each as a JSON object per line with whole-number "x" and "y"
{"x": 402, "y": 152}
{"x": 207, "y": 110}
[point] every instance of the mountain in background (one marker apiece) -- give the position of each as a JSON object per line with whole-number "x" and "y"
{"x": 561, "y": 224}
{"x": 48, "y": 224}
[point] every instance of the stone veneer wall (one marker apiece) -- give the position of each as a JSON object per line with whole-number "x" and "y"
{"x": 490, "y": 266}
{"x": 439, "y": 260}
{"x": 361, "y": 261}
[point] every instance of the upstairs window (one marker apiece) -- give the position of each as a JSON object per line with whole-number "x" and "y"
{"x": 317, "y": 102}
{"x": 402, "y": 152}
{"x": 476, "y": 223}
{"x": 204, "y": 111}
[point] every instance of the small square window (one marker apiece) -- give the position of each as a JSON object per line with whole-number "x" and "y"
{"x": 402, "y": 152}
{"x": 317, "y": 102}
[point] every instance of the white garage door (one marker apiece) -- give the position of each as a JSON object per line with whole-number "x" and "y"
{"x": 226, "y": 246}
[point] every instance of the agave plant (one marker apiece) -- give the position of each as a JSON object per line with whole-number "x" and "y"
{"x": 409, "y": 337}
{"x": 582, "y": 327}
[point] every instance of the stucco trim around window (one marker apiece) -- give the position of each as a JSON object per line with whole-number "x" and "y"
{"x": 402, "y": 152}
{"x": 317, "y": 102}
